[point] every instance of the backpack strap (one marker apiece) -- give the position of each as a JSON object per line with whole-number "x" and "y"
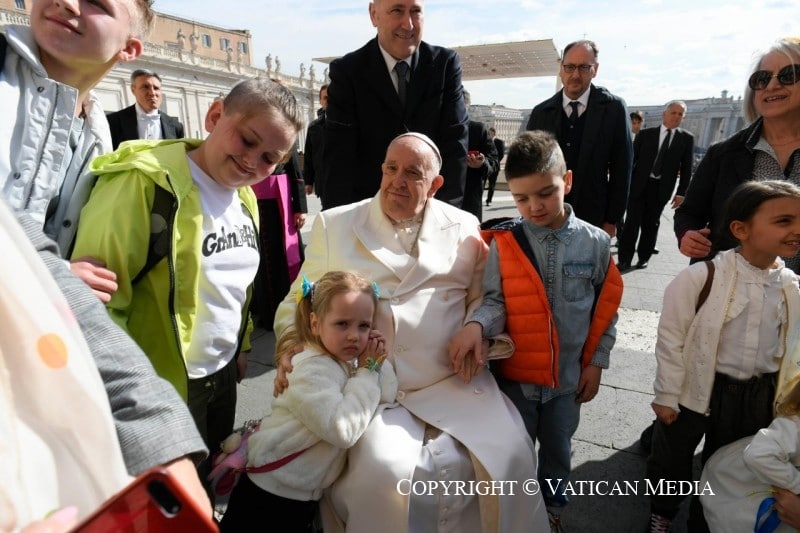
{"x": 703, "y": 296}
{"x": 162, "y": 215}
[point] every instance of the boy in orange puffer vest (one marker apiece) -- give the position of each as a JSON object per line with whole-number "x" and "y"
{"x": 551, "y": 283}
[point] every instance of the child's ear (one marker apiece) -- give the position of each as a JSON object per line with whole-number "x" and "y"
{"x": 133, "y": 49}
{"x": 213, "y": 115}
{"x": 313, "y": 321}
{"x": 738, "y": 230}
{"x": 567, "y": 182}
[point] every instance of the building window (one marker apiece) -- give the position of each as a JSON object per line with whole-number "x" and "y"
{"x": 243, "y": 47}
{"x": 206, "y": 40}
{"x": 224, "y": 43}
{"x": 20, "y": 4}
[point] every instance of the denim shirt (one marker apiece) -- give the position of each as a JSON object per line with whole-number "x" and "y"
{"x": 573, "y": 261}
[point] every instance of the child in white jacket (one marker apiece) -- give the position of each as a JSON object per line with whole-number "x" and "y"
{"x": 334, "y": 389}
{"x": 718, "y": 356}
{"x": 746, "y": 475}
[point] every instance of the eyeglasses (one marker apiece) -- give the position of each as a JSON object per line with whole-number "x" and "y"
{"x": 584, "y": 69}
{"x": 788, "y": 75}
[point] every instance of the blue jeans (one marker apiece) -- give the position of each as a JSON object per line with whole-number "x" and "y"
{"x": 552, "y": 424}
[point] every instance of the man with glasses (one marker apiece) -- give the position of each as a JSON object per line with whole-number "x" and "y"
{"x": 592, "y": 128}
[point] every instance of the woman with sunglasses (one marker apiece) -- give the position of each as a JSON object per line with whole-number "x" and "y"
{"x": 769, "y": 148}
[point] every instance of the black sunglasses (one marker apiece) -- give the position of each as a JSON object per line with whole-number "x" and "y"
{"x": 788, "y": 75}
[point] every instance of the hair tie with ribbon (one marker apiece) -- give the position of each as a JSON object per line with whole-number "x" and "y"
{"x": 306, "y": 290}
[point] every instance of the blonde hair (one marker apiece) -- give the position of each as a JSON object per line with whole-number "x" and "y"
{"x": 790, "y": 403}
{"x": 142, "y": 18}
{"x": 256, "y": 95}
{"x": 317, "y": 300}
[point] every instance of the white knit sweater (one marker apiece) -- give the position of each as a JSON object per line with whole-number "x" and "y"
{"x": 324, "y": 410}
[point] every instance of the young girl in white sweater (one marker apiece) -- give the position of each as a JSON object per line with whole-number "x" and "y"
{"x": 334, "y": 389}
{"x": 718, "y": 363}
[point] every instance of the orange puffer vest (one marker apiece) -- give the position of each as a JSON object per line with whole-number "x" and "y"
{"x": 530, "y": 320}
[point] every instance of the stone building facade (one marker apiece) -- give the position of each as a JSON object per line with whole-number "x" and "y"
{"x": 199, "y": 62}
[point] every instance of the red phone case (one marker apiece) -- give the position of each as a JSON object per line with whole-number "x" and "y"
{"x": 476, "y": 153}
{"x": 151, "y": 503}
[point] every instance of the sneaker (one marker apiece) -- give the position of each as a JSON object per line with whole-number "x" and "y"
{"x": 659, "y": 524}
{"x": 555, "y": 522}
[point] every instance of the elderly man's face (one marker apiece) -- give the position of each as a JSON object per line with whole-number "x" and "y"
{"x": 399, "y": 24}
{"x": 409, "y": 178}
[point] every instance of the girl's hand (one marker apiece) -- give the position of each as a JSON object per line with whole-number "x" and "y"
{"x": 284, "y": 367}
{"x": 666, "y": 415}
{"x": 375, "y": 349}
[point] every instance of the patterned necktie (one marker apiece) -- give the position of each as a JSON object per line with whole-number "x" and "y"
{"x": 660, "y": 156}
{"x": 401, "y": 68}
{"x": 573, "y": 117}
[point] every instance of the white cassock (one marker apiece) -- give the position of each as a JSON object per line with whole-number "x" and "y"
{"x": 424, "y": 301}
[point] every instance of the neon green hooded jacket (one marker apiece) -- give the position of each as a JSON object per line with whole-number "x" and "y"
{"x": 159, "y": 311}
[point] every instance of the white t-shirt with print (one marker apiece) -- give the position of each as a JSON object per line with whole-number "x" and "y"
{"x": 228, "y": 264}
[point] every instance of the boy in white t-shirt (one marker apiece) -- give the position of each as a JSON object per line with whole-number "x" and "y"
{"x": 185, "y": 270}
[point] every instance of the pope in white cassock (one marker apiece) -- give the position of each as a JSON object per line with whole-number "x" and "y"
{"x": 427, "y": 258}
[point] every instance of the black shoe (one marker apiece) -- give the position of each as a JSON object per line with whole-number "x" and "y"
{"x": 642, "y": 264}
{"x": 656, "y": 251}
{"x": 624, "y": 267}
{"x": 488, "y": 203}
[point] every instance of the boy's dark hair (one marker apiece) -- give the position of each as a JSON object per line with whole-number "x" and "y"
{"x": 747, "y": 197}
{"x": 637, "y": 115}
{"x": 257, "y": 95}
{"x": 534, "y": 152}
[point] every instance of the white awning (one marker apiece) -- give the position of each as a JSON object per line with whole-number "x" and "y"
{"x": 524, "y": 59}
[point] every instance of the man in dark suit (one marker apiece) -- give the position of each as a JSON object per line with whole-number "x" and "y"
{"x": 500, "y": 148}
{"x": 660, "y": 155}
{"x": 312, "y": 153}
{"x": 591, "y": 126}
{"x": 143, "y": 120}
{"x": 370, "y": 103}
{"x": 481, "y": 161}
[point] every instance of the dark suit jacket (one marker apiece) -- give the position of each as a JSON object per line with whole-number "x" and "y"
{"x": 500, "y": 146}
{"x": 312, "y": 154}
{"x": 677, "y": 161}
{"x": 600, "y": 180}
{"x": 473, "y": 191}
{"x": 124, "y": 126}
{"x": 725, "y": 166}
{"x": 364, "y": 114}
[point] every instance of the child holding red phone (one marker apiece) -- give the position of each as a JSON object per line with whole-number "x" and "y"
{"x": 334, "y": 390}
